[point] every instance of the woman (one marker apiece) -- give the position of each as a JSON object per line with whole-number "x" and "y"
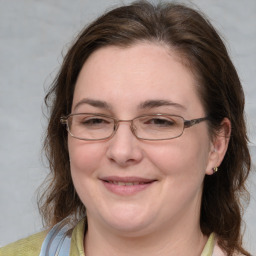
{"x": 146, "y": 141}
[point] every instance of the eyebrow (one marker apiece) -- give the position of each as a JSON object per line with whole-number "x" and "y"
{"x": 159, "y": 103}
{"x": 148, "y": 104}
{"x": 94, "y": 103}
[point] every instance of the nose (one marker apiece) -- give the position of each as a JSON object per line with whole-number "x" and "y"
{"x": 124, "y": 148}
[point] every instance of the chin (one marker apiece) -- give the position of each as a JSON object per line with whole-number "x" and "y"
{"x": 129, "y": 220}
{"x": 129, "y": 228}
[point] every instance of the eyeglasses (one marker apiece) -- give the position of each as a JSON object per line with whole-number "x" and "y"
{"x": 93, "y": 127}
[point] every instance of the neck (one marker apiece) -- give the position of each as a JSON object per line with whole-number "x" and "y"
{"x": 185, "y": 240}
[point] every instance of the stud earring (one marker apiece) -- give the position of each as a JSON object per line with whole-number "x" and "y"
{"x": 215, "y": 169}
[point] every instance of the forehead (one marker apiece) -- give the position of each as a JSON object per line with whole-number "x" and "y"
{"x": 135, "y": 74}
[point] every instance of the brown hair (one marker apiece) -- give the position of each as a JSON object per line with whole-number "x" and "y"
{"x": 189, "y": 33}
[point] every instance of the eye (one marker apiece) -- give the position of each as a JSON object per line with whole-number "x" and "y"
{"x": 159, "y": 122}
{"x": 91, "y": 122}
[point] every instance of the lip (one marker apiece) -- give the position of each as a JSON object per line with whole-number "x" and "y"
{"x": 126, "y": 186}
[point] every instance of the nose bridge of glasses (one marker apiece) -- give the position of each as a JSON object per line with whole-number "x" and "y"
{"x": 130, "y": 122}
{"x": 123, "y": 121}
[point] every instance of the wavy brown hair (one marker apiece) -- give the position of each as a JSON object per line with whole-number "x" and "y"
{"x": 188, "y": 33}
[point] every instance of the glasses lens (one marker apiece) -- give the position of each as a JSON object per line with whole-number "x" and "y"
{"x": 90, "y": 127}
{"x": 158, "y": 127}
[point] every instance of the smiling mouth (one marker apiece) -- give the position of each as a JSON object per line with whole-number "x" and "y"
{"x": 126, "y": 186}
{"x": 120, "y": 183}
{"x": 127, "y": 181}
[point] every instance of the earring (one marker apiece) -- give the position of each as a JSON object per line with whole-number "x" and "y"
{"x": 215, "y": 169}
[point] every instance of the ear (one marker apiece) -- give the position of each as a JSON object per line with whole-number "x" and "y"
{"x": 219, "y": 146}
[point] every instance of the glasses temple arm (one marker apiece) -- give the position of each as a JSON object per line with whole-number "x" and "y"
{"x": 63, "y": 120}
{"x": 189, "y": 123}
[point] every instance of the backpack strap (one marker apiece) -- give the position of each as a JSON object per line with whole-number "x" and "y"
{"x": 57, "y": 241}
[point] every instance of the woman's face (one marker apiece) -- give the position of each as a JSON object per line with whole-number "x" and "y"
{"x": 109, "y": 176}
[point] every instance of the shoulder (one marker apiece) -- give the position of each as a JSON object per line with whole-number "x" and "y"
{"x": 29, "y": 246}
{"x": 217, "y": 251}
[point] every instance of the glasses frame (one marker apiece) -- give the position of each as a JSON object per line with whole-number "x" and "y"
{"x": 186, "y": 124}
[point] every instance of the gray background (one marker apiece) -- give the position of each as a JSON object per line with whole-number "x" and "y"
{"x": 33, "y": 35}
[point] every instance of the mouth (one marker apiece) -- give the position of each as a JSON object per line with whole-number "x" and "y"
{"x": 120, "y": 183}
{"x": 126, "y": 185}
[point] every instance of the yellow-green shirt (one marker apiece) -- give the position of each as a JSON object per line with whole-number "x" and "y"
{"x": 31, "y": 246}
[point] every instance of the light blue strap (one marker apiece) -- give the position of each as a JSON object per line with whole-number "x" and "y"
{"x": 57, "y": 242}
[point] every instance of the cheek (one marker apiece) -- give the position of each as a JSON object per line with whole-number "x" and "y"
{"x": 84, "y": 156}
{"x": 85, "y": 159}
{"x": 181, "y": 158}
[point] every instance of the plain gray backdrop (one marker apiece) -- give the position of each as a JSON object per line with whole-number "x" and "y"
{"x": 33, "y": 36}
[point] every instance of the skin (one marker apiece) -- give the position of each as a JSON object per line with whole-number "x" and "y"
{"x": 162, "y": 219}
